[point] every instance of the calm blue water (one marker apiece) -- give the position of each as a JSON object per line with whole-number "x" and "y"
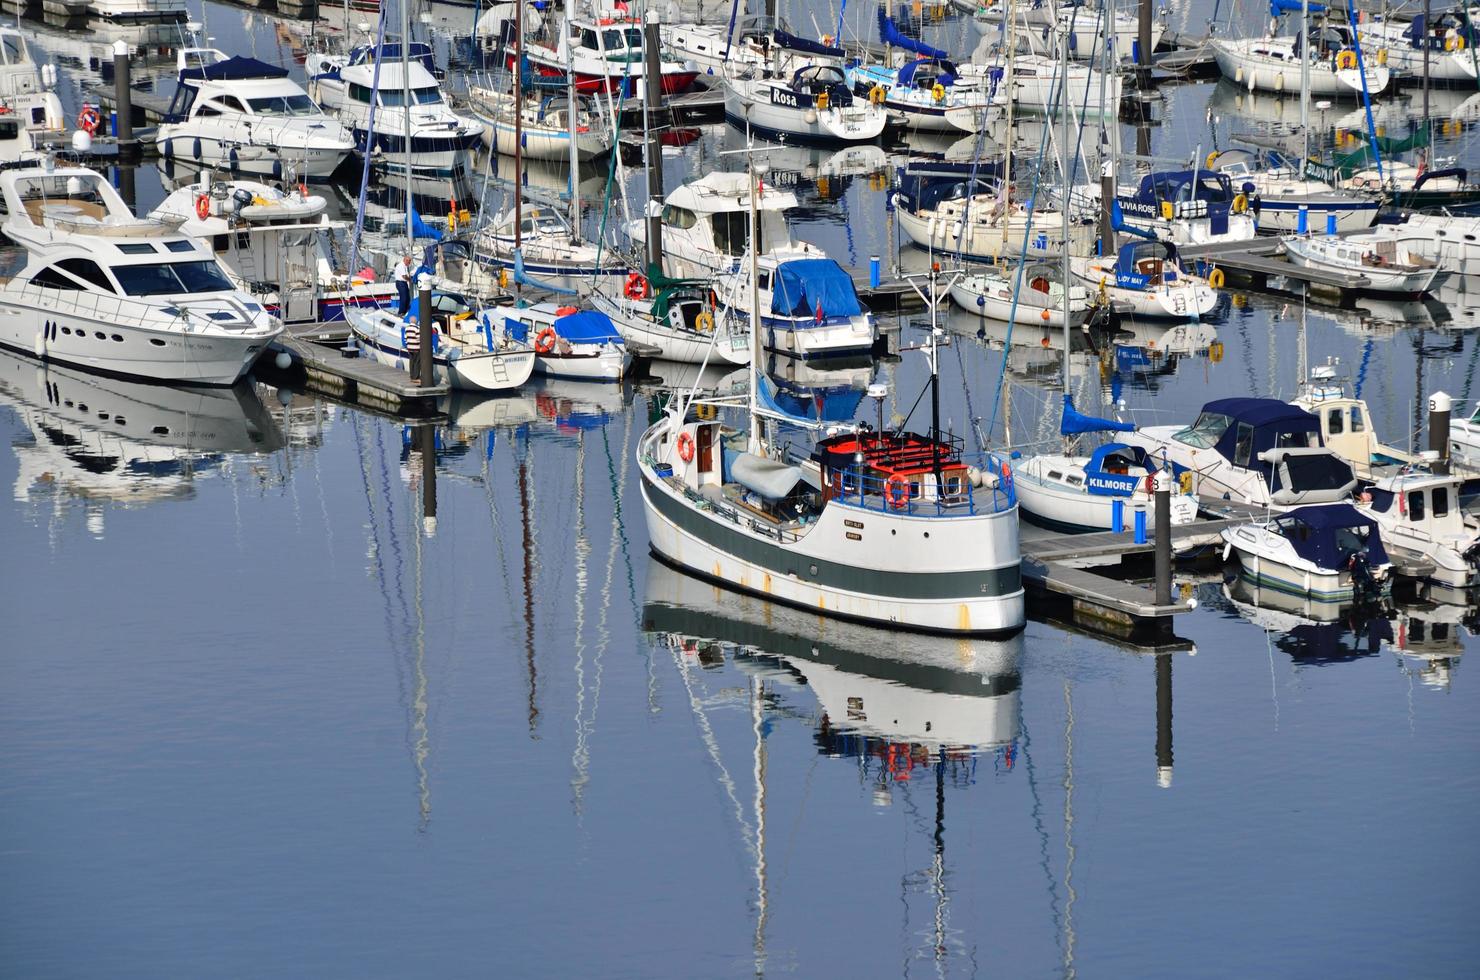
{"x": 257, "y": 717}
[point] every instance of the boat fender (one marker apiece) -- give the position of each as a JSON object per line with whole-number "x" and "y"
{"x": 544, "y": 341}
{"x": 685, "y": 447}
{"x": 202, "y": 206}
{"x": 503, "y": 279}
{"x": 810, "y": 116}
{"x": 1046, "y": 317}
{"x": 822, "y": 101}
{"x": 938, "y": 92}
{"x": 1382, "y": 56}
{"x": 897, "y": 491}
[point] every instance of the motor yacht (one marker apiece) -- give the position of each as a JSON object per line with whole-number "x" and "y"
{"x": 1326, "y": 553}
{"x": 1420, "y": 516}
{"x": 91, "y": 285}
{"x": 1387, "y": 266}
{"x": 27, "y": 87}
{"x": 243, "y": 115}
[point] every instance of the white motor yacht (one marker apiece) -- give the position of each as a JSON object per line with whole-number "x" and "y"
{"x": 1325, "y": 553}
{"x": 1387, "y": 266}
{"x": 1420, "y": 516}
{"x": 91, "y": 285}
{"x": 1346, "y": 424}
{"x": 440, "y": 138}
{"x": 242, "y": 115}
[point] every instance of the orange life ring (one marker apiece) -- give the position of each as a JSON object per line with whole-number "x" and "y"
{"x": 544, "y": 341}
{"x": 89, "y": 119}
{"x": 565, "y": 310}
{"x": 202, "y": 206}
{"x": 897, "y": 491}
{"x": 4, "y": 109}
{"x": 685, "y": 447}
{"x": 637, "y": 286}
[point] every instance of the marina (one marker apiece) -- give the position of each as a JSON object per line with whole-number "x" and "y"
{"x": 481, "y": 474}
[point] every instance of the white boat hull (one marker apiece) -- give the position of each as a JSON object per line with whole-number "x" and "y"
{"x": 1237, "y": 60}
{"x": 748, "y": 103}
{"x": 180, "y": 143}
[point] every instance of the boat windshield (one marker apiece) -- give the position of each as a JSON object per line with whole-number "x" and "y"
{"x": 284, "y": 105}
{"x": 171, "y": 278}
{"x": 395, "y": 98}
{"x": 1206, "y": 431}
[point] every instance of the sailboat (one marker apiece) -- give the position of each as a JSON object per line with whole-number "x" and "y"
{"x": 886, "y": 527}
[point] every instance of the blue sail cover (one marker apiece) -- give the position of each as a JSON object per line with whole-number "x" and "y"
{"x": 234, "y": 68}
{"x": 1329, "y": 534}
{"x": 587, "y": 327}
{"x": 1074, "y": 422}
{"x": 906, "y": 76}
{"x": 889, "y": 33}
{"x": 795, "y": 43}
{"x": 1278, "y": 7}
{"x": 805, "y": 285}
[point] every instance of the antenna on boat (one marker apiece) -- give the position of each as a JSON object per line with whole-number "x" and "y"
{"x": 931, "y": 349}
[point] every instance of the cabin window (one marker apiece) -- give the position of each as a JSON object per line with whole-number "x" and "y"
{"x": 52, "y": 279}
{"x": 15, "y": 49}
{"x": 395, "y": 98}
{"x": 136, "y": 248}
{"x": 207, "y": 109}
{"x": 1055, "y": 475}
{"x": 1415, "y": 505}
{"x": 220, "y": 243}
{"x": 1206, "y": 431}
{"x": 232, "y": 103}
{"x": 180, "y": 245}
{"x": 172, "y": 277}
{"x": 359, "y": 93}
{"x": 9, "y": 130}
{"x": 284, "y": 105}
{"x": 730, "y": 232}
{"x": 1075, "y": 481}
{"x": 1358, "y": 424}
{"x": 88, "y": 271}
{"x": 1441, "y": 501}
{"x": 676, "y": 217}
{"x": 1243, "y": 446}
{"x": 1335, "y": 422}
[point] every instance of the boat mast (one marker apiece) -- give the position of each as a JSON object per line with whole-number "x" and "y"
{"x": 519, "y": 135}
{"x": 1065, "y": 157}
{"x": 652, "y": 98}
{"x": 1007, "y": 160}
{"x": 575, "y": 157}
{"x": 1424, "y": 38}
{"x": 756, "y": 175}
{"x": 406, "y": 128}
{"x": 1305, "y": 82}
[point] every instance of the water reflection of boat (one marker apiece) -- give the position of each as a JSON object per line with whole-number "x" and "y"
{"x": 932, "y": 692}
{"x": 720, "y": 380}
{"x": 566, "y": 406}
{"x": 1460, "y": 297}
{"x": 1429, "y": 639}
{"x": 1311, "y": 632}
{"x": 132, "y": 443}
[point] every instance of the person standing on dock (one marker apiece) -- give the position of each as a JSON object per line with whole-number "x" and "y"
{"x": 401, "y": 274}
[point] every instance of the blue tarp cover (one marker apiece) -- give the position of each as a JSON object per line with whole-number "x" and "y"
{"x": 237, "y": 67}
{"x": 802, "y": 285}
{"x": 1105, "y": 484}
{"x": 587, "y": 327}
{"x": 1278, "y": 7}
{"x": 1329, "y": 534}
{"x": 787, "y": 40}
{"x": 889, "y": 33}
{"x": 1274, "y": 425}
{"x": 1074, "y": 422}
{"x": 906, "y": 76}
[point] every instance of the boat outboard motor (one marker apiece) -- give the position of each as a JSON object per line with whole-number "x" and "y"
{"x": 1365, "y": 587}
{"x": 240, "y": 199}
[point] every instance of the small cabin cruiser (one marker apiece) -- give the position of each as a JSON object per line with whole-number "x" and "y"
{"x": 815, "y": 104}
{"x": 813, "y": 310}
{"x": 1387, "y": 266}
{"x": 1327, "y": 553}
{"x": 1452, "y": 241}
{"x": 568, "y": 343}
{"x": 26, "y": 87}
{"x": 1147, "y": 279}
{"x": 440, "y": 138}
{"x": 243, "y": 115}
{"x": 1419, "y": 514}
{"x": 1346, "y": 424}
{"x": 1258, "y": 451}
{"x": 93, "y": 286}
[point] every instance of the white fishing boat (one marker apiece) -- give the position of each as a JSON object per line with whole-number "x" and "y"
{"x": 1278, "y": 193}
{"x": 1387, "y": 266}
{"x": 1258, "y": 451}
{"x": 546, "y": 129}
{"x": 1147, "y": 279}
{"x": 890, "y": 528}
{"x": 440, "y": 139}
{"x": 1419, "y": 514}
{"x": 243, "y": 115}
{"x": 26, "y": 86}
{"x": 1326, "y": 553}
{"x": 815, "y": 104}
{"x": 93, "y": 286}
{"x": 1030, "y": 294}
{"x": 1274, "y": 62}
{"x": 471, "y": 351}
{"x": 568, "y": 342}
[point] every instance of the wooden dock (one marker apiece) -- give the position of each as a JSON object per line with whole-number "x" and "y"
{"x": 357, "y": 381}
{"x": 1260, "y": 259}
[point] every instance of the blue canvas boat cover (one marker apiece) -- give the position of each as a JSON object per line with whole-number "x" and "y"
{"x": 889, "y": 33}
{"x": 1278, "y": 7}
{"x": 1330, "y": 534}
{"x": 1115, "y": 470}
{"x": 804, "y": 285}
{"x": 906, "y": 76}
{"x": 1179, "y": 185}
{"x": 234, "y": 68}
{"x": 808, "y": 407}
{"x": 1127, "y": 273}
{"x": 1073, "y": 422}
{"x": 1262, "y": 424}
{"x": 587, "y": 327}
{"x": 795, "y": 43}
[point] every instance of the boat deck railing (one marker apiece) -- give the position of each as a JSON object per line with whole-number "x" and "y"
{"x": 200, "y": 314}
{"x": 897, "y": 494}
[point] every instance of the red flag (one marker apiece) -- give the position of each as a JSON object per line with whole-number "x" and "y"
{"x": 819, "y": 311}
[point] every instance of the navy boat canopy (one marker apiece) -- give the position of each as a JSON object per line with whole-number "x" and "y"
{"x": 1330, "y": 534}
{"x": 803, "y": 286}
{"x": 1115, "y": 470}
{"x": 890, "y": 34}
{"x": 795, "y": 43}
{"x": 1075, "y": 422}
{"x": 1185, "y": 185}
{"x": 1129, "y": 273}
{"x": 587, "y": 327}
{"x": 234, "y": 68}
{"x": 1243, "y": 428}
{"x": 1278, "y": 7}
{"x": 942, "y": 71}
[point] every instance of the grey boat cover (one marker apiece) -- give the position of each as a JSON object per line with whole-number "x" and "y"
{"x": 1308, "y": 476}
{"x": 770, "y": 478}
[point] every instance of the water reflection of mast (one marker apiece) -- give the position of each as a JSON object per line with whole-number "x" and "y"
{"x": 527, "y": 537}
{"x": 580, "y": 756}
{"x": 1068, "y": 830}
{"x": 425, "y": 439}
{"x": 757, "y": 722}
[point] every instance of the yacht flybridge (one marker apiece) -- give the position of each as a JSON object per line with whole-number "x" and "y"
{"x": 90, "y": 284}
{"x": 243, "y": 115}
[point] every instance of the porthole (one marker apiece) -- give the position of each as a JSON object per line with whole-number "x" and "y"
{"x": 117, "y": 338}
{"x": 100, "y": 335}
{"x": 67, "y": 331}
{"x": 161, "y": 430}
{"x": 119, "y": 420}
{"x": 156, "y": 341}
